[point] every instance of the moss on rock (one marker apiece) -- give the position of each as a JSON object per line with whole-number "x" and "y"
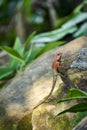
{"x": 25, "y": 123}
{"x": 61, "y": 123}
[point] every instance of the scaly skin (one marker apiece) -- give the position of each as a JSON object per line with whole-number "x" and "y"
{"x": 57, "y": 62}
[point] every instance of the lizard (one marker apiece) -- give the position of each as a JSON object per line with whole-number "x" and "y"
{"x": 56, "y": 64}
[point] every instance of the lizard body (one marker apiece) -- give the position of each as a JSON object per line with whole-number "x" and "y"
{"x": 55, "y": 65}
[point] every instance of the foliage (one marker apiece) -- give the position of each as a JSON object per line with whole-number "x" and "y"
{"x": 35, "y": 17}
{"x": 21, "y": 55}
{"x": 68, "y": 27}
{"x": 82, "y": 30}
{"x": 38, "y": 51}
{"x": 75, "y": 18}
{"x": 73, "y": 95}
{"x": 75, "y": 12}
{"x": 18, "y": 57}
{"x": 54, "y": 35}
{"x": 80, "y": 107}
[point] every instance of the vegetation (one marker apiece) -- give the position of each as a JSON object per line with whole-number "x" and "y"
{"x": 22, "y": 53}
{"x": 75, "y": 94}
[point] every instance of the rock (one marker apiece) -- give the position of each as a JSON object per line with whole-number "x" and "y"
{"x": 43, "y": 118}
{"x": 30, "y": 86}
{"x": 82, "y": 125}
{"x": 81, "y": 61}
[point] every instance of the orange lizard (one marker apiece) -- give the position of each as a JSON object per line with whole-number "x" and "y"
{"x": 55, "y": 66}
{"x": 57, "y": 62}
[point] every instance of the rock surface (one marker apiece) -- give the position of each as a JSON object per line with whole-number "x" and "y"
{"x": 81, "y": 61}
{"x": 43, "y": 118}
{"x": 31, "y": 85}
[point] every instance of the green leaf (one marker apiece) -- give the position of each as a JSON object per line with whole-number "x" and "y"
{"x": 54, "y": 35}
{"x": 12, "y": 53}
{"x": 78, "y": 18}
{"x": 77, "y": 93}
{"x": 33, "y": 54}
{"x": 28, "y": 53}
{"x": 26, "y": 44}
{"x": 48, "y": 47}
{"x": 18, "y": 46}
{"x": 81, "y": 31}
{"x": 61, "y": 21}
{"x": 68, "y": 28}
{"x": 14, "y": 63}
{"x": 74, "y": 94}
{"x": 38, "y": 51}
{"x": 5, "y": 72}
{"x": 80, "y": 107}
{"x": 69, "y": 99}
{"x": 79, "y": 7}
{"x": 28, "y": 41}
{"x": 76, "y": 11}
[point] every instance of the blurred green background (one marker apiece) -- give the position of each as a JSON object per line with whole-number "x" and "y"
{"x": 21, "y": 17}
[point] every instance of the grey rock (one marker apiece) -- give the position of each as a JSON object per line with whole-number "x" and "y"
{"x": 81, "y": 61}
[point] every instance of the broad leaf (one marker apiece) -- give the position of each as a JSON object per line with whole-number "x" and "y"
{"x": 74, "y": 94}
{"x": 81, "y": 31}
{"x": 80, "y": 17}
{"x": 69, "y": 99}
{"x": 54, "y": 35}
{"x": 48, "y": 47}
{"x": 28, "y": 41}
{"x": 14, "y": 63}
{"x": 68, "y": 28}
{"x": 33, "y": 54}
{"x": 76, "y": 11}
{"x": 80, "y": 107}
{"x": 79, "y": 7}
{"x": 12, "y": 53}
{"x": 38, "y": 51}
{"x": 26, "y": 44}
{"x": 28, "y": 53}
{"x": 18, "y": 46}
{"x": 61, "y": 21}
{"x": 5, "y": 72}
